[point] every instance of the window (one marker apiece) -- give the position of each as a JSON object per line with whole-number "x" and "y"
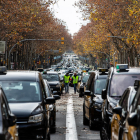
{"x": 4, "y": 109}
{"x": 51, "y": 77}
{"x": 99, "y": 86}
{"x": 122, "y": 81}
{"x": 21, "y": 91}
{"x": 125, "y": 101}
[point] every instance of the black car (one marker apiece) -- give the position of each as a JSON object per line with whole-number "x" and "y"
{"x": 8, "y": 128}
{"x": 92, "y": 98}
{"x": 54, "y": 81}
{"x": 118, "y": 80}
{"x": 52, "y": 107}
{"x": 25, "y": 92}
{"x": 81, "y": 84}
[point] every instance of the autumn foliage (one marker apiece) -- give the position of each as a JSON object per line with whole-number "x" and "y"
{"x": 31, "y": 19}
{"x": 114, "y": 27}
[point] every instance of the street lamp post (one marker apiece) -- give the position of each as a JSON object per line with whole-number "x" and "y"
{"x": 60, "y": 40}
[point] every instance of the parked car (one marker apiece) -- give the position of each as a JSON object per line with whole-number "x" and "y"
{"x": 52, "y": 107}
{"x": 92, "y": 98}
{"x": 25, "y": 92}
{"x": 9, "y": 129}
{"x": 131, "y": 129}
{"x": 81, "y": 84}
{"x": 118, "y": 80}
{"x": 120, "y": 113}
{"x": 54, "y": 81}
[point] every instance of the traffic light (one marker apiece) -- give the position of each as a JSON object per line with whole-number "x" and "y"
{"x": 62, "y": 40}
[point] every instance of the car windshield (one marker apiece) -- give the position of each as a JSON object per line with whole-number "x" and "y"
{"x": 51, "y": 77}
{"x": 85, "y": 78}
{"x": 120, "y": 82}
{"x": 99, "y": 85}
{"x": 21, "y": 91}
{"x": 79, "y": 74}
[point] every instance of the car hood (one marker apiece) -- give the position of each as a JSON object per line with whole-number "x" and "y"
{"x": 53, "y": 82}
{"x": 25, "y": 109}
{"x": 98, "y": 98}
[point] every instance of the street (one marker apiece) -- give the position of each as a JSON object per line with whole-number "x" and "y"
{"x": 63, "y": 129}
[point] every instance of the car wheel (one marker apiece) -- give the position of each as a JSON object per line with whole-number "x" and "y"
{"x": 90, "y": 122}
{"x": 103, "y": 133}
{"x": 85, "y": 120}
{"x": 53, "y": 129}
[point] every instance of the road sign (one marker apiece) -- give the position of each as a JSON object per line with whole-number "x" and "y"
{"x": 2, "y": 47}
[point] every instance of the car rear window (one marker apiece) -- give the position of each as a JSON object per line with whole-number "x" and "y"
{"x": 51, "y": 77}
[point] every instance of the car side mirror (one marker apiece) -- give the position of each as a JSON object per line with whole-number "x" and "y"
{"x": 56, "y": 97}
{"x": 87, "y": 92}
{"x": 117, "y": 110}
{"x": 50, "y": 100}
{"x": 133, "y": 119}
{"x": 104, "y": 94}
{"x": 12, "y": 119}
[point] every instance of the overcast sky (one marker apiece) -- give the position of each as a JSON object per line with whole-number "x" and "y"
{"x": 65, "y": 10}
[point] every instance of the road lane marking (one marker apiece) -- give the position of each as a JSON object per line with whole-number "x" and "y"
{"x": 71, "y": 131}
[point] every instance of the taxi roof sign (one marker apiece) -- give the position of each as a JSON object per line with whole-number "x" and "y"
{"x": 122, "y": 66}
{"x": 3, "y": 69}
{"x": 103, "y": 70}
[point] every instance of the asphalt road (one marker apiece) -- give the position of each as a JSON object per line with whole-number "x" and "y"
{"x": 69, "y": 119}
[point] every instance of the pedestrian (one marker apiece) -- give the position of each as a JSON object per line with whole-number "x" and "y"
{"x": 66, "y": 82}
{"x": 75, "y": 81}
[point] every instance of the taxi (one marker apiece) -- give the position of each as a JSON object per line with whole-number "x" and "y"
{"x": 9, "y": 129}
{"x": 81, "y": 84}
{"x": 121, "y": 112}
{"x": 132, "y": 125}
{"x": 118, "y": 80}
{"x": 25, "y": 93}
{"x": 92, "y": 98}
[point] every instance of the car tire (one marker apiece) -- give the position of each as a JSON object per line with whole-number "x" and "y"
{"x": 53, "y": 129}
{"x": 85, "y": 120}
{"x": 90, "y": 122}
{"x": 103, "y": 133}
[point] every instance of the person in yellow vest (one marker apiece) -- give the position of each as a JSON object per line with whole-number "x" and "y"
{"x": 75, "y": 81}
{"x": 66, "y": 81}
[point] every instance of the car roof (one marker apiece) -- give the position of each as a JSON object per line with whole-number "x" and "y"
{"x": 127, "y": 71}
{"x": 20, "y": 76}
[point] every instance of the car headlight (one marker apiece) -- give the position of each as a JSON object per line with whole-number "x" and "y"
{"x": 35, "y": 118}
{"x": 58, "y": 85}
{"x": 98, "y": 106}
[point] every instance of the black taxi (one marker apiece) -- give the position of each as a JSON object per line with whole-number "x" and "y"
{"x": 120, "y": 113}
{"x": 52, "y": 107}
{"x": 118, "y": 80}
{"x": 132, "y": 125}
{"x": 25, "y": 93}
{"x": 8, "y": 127}
{"x": 56, "y": 84}
{"x": 92, "y": 98}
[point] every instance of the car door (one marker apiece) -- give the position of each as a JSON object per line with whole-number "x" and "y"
{"x": 87, "y": 97}
{"x": 119, "y": 119}
{"x": 5, "y": 117}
